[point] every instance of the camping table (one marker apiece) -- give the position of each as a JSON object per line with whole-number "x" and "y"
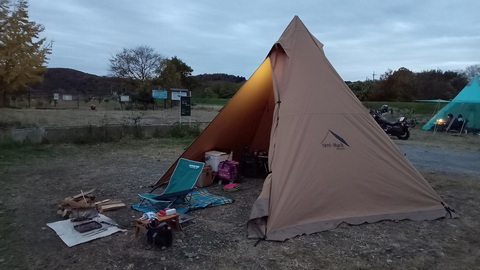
{"x": 172, "y": 220}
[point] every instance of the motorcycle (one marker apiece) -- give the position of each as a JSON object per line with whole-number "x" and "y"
{"x": 400, "y": 128}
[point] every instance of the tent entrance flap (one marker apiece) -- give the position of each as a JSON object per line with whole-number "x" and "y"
{"x": 242, "y": 122}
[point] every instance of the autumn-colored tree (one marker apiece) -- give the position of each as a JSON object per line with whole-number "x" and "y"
{"x": 23, "y": 54}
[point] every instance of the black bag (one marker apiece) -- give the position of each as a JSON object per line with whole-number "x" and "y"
{"x": 159, "y": 233}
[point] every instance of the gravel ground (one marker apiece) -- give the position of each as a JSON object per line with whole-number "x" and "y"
{"x": 34, "y": 183}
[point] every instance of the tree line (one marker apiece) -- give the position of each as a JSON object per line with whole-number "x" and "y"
{"x": 405, "y": 85}
{"x": 136, "y": 71}
{"x": 143, "y": 69}
{"x": 70, "y": 81}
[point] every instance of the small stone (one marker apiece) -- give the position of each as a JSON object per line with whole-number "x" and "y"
{"x": 162, "y": 258}
{"x": 389, "y": 261}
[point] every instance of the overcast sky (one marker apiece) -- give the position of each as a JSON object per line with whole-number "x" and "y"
{"x": 234, "y": 37}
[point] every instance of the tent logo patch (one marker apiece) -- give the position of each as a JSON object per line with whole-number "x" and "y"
{"x": 334, "y": 141}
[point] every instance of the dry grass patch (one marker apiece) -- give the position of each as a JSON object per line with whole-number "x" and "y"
{"x": 444, "y": 140}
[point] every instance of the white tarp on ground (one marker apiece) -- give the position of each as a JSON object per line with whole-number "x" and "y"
{"x": 65, "y": 229}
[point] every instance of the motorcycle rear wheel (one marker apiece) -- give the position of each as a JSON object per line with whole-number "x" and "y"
{"x": 404, "y": 136}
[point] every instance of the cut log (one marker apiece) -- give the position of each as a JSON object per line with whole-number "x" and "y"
{"x": 111, "y": 206}
{"x": 80, "y": 196}
{"x": 102, "y": 202}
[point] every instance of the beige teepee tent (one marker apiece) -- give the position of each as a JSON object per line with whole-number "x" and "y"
{"x": 329, "y": 161}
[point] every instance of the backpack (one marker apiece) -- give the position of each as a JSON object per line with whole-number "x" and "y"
{"x": 159, "y": 234}
{"x": 228, "y": 170}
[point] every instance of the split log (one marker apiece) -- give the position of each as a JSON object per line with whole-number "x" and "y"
{"x": 108, "y": 205}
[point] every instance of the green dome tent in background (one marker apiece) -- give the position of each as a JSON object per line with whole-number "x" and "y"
{"x": 466, "y": 103}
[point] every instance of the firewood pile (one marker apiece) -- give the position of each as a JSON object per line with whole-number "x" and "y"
{"x": 83, "y": 205}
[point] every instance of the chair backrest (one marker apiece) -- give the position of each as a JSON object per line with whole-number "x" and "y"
{"x": 184, "y": 176}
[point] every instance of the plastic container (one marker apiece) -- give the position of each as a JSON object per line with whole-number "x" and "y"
{"x": 170, "y": 211}
{"x": 213, "y": 158}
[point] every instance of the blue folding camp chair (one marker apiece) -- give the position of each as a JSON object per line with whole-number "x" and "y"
{"x": 181, "y": 183}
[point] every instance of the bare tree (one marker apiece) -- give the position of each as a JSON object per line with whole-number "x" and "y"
{"x": 141, "y": 63}
{"x": 472, "y": 70}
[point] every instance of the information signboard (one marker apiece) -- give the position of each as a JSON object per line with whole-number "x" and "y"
{"x": 177, "y": 93}
{"x": 159, "y": 93}
{"x": 185, "y": 108}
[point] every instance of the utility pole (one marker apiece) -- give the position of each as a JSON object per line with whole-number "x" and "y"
{"x": 373, "y": 76}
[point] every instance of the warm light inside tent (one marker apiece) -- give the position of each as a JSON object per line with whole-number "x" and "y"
{"x": 440, "y": 122}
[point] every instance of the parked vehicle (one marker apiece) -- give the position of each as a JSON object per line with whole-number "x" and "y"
{"x": 400, "y": 128}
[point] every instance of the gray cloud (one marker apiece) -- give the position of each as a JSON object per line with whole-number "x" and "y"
{"x": 233, "y": 37}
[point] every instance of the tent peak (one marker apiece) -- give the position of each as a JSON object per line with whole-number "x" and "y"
{"x": 474, "y": 80}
